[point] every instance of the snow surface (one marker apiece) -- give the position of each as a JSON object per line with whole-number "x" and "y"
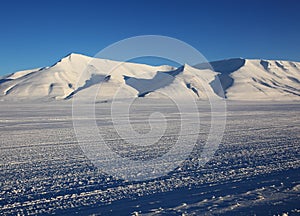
{"x": 254, "y": 172}
{"x": 76, "y": 74}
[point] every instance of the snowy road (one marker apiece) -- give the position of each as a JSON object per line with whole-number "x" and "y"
{"x": 255, "y": 170}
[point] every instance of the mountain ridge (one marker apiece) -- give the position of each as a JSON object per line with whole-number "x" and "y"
{"x": 241, "y": 79}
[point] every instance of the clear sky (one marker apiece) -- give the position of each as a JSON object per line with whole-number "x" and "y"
{"x": 36, "y": 33}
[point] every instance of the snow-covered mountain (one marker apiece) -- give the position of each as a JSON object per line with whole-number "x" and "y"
{"x": 72, "y": 75}
{"x": 81, "y": 75}
{"x": 244, "y": 79}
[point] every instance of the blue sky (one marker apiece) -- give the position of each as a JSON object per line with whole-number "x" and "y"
{"x": 38, "y": 33}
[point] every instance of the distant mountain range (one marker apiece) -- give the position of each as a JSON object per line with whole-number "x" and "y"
{"x": 241, "y": 79}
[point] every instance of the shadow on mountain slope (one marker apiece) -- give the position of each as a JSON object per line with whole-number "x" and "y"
{"x": 225, "y": 68}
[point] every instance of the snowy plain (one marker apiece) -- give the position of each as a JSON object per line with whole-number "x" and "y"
{"x": 255, "y": 170}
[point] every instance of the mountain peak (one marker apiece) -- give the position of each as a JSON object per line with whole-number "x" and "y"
{"x": 70, "y": 56}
